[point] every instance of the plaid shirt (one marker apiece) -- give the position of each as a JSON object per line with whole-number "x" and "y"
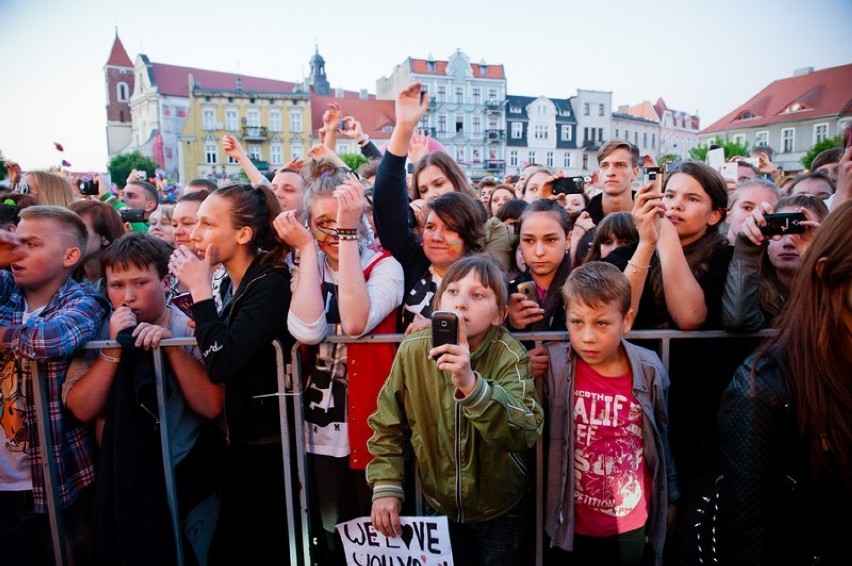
{"x": 69, "y": 320}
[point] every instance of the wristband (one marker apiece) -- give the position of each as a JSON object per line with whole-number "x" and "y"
{"x": 107, "y": 358}
{"x": 363, "y": 141}
{"x": 347, "y": 237}
{"x": 347, "y": 232}
{"x": 635, "y": 267}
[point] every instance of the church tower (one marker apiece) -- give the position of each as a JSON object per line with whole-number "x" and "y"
{"x": 119, "y": 79}
{"x": 317, "y": 82}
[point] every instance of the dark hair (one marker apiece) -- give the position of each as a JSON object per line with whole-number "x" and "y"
{"x": 197, "y": 196}
{"x": 487, "y": 269}
{"x": 614, "y": 144}
{"x": 744, "y": 163}
{"x": 598, "y": 283}
{"x": 256, "y": 208}
{"x": 206, "y": 183}
{"x": 448, "y": 166}
{"x": 813, "y": 342}
{"x": 763, "y": 149}
{"x": 368, "y": 169}
{"x": 464, "y": 215}
{"x": 711, "y": 181}
{"x": 147, "y": 187}
{"x": 512, "y": 209}
{"x": 826, "y": 157}
{"x": 61, "y": 215}
{"x": 617, "y": 225}
{"x": 8, "y": 215}
{"x": 138, "y": 250}
{"x": 105, "y": 219}
{"x": 553, "y": 206}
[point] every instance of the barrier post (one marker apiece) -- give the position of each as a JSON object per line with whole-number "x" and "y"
{"x": 48, "y": 464}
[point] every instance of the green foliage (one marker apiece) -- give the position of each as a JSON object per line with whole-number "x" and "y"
{"x": 121, "y": 165}
{"x": 353, "y": 160}
{"x": 732, "y": 148}
{"x": 668, "y": 158}
{"x": 828, "y": 143}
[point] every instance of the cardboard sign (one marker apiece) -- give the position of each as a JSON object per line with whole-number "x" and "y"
{"x": 425, "y": 541}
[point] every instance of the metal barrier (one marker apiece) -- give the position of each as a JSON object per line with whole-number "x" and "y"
{"x": 290, "y": 391}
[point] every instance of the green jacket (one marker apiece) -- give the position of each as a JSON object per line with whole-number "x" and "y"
{"x": 472, "y": 452}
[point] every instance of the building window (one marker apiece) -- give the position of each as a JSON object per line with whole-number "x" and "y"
{"x": 788, "y": 140}
{"x": 442, "y": 123}
{"x": 517, "y": 130}
{"x": 616, "y": 132}
{"x": 566, "y": 160}
{"x": 296, "y": 150}
{"x": 431, "y": 66}
{"x": 627, "y": 135}
{"x": 253, "y": 118}
{"x": 122, "y": 92}
{"x": 275, "y": 120}
{"x": 296, "y": 122}
{"x": 514, "y": 109}
{"x": 761, "y": 138}
{"x": 209, "y": 119}
{"x": 231, "y": 119}
{"x": 459, "y": 94}
{"x": 210, "y": 153}
{"x": 542, "y": 132}
{"x": 492, "y": 94}
{"x": 636, "y": 138}
{"x": 424, "y": 122}
{"x": 549, "y": 159}
{"x": 645, "y": 139}
{"x": 513, "y": 158}
{"x": 566, "y": 133}
{"x": 531, "y": 158}
{"x": 459, "y": 124}
{"x": 254, "y": 152}
{"x": 739, "y": 138}
{"x": 492, "y": 123}
{"x": 586, "y": 109}
{"x": 585, "y": 161}
{"x": 342, "y": 148}
{"x": 600, "y": 109}
{"x": 653, "y": 141}
{"x": 276, "y": 153}
{"x": 475, "y": 95}
{"x": 442, "y": 93}
{"x": 476, "y": 125}
{"x": 820, "y": 132}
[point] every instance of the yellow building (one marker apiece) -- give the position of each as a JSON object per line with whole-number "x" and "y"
{"x": 271, "y": 119}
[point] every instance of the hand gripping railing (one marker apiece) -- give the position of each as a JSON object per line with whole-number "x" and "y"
{"x": 290, "y": 391}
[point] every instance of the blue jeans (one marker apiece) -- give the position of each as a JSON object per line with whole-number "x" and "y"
{"x": 496, "y": 542}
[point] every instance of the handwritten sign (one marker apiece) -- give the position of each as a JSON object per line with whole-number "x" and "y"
{"x": 425, "y": 541}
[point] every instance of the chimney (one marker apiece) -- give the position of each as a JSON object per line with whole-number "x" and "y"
{"x": 363, "y": 95}
{"x": 338, "y": 92}
{"x": 239, "y": 83}
{"x": 803, "y": 71}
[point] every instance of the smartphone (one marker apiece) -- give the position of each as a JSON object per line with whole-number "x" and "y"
{"x": 342, "y": 125}
{"x": 445, "y": 328}
{"x": 142, "y": 175}
{"x": 88, "y": 187}
{"x": 514, "y": 178}
{"x": 729, "y": 171}
{"x": 782, "y": 223}
{"x": 132, "y": 215}
{"x": 653, "y": 175}
{"x": 183, "y": 302}
{"x": 567, "y": 186}
{"x": 528, "y": 289}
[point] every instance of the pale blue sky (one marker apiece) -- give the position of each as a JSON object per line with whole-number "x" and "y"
{"x": 705, "y": 56}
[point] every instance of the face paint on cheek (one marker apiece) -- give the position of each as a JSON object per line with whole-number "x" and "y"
{"x": 455, "y": 247}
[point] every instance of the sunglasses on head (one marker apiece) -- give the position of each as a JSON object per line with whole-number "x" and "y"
{"x": 22, "y": 188}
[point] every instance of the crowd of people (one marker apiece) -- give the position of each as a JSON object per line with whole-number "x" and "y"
{"x": 316, "y": 249}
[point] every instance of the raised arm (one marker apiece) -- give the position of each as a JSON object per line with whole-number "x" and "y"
{"x": 234, "y": 149}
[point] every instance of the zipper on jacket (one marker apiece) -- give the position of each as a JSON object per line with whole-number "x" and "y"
{"x": 459, "y": 495}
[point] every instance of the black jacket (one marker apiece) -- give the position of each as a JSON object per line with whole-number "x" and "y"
{"x": 238, "y": 352}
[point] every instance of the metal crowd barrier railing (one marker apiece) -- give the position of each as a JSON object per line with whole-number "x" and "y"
{"x": 290, "y": 387}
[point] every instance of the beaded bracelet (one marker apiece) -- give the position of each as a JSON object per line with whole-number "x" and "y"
{"x": 107, "y": 358}
{"x": 347, "y": 237}
{"x": 347, "y": 231}
{"x": 635, "y": 267}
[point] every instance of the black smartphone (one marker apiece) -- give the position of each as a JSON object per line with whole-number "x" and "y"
{"x": 445, "y": 328}
{"x": 567, "y": 186}
{"x": 528, "y": 289}
{"x": 184, "y": 302}
{"x": 782, "y": 223}
{"x": 132, "y": 215}
{"x": 88, "y": 187}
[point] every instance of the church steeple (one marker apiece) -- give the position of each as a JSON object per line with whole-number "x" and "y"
{"x": 317, "y": 81}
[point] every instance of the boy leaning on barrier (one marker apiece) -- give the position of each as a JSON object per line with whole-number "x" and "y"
{"x": 610, "y": 474}
{"x": 44, "y": 316}
{"x": 118, "y": 385}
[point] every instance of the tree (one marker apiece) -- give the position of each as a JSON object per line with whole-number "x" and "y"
{"x": 353, "y": 160}
{"x": 732, "y": 148}
{"x": 668, "y": 158}
{"x": 121, "y": 165}
{"x": 820, "y": 146}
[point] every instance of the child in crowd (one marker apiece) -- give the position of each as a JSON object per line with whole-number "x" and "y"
{"x": 616, "y": 229}
{"x": 235, "y": 229}
{"x": 610, "y": 477}
{"x": 46, "y": 316}
{"x": 471, "y": 413}
{"x": 132, "y": 523}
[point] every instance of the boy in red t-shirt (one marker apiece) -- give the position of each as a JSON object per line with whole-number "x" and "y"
{"x": 610, "y": 476}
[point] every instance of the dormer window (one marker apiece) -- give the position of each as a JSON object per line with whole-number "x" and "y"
{"x": 483, "y": 70}
{"x": 515, "y": 109}
{"x": 795, "y": 107}
{"x": 431, "y": 66}
{"x": 746, "y": 115}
